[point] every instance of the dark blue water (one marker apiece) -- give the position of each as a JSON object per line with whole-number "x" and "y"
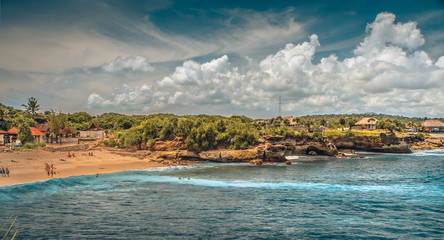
{"x": 382, "y": 196}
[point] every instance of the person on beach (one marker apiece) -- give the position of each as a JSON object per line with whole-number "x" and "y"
{"x": 52, "y": 170}
{"x": 7, "y": 171}
{"x": 47, "y": 169}
{"x": 2, "y": 171}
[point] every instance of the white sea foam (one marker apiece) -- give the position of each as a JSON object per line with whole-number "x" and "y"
{"x": 292, "y": 157}
{"x": 434, "y": 152}
{"x": 403, "y": 189}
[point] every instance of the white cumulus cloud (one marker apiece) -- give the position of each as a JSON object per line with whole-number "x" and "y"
{"x": 388, "y": 73}
{"x": 136, "y": 64}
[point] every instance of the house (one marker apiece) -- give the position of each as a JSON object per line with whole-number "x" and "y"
{"x": 95, "y": 131}
{"x": 67, "y": 131}
{"x": 3, "y": 136}
{"x": 433, "y": 126}
{"x": 366, "y": 123}
{"x": 38, "y": 136}
{"x": 42, "y": 127}
{"x": 13, "y": 134}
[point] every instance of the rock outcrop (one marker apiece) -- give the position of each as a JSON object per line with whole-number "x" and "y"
{"x": 276, "y": 148}
{"x": 230, "y": 155}
{"x": 429, "y": 144}
{"x": 169, "y": 145}
{"x": 389, "y": 144}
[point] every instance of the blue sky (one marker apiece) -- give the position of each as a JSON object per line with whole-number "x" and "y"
{"x": 224, "y": 57}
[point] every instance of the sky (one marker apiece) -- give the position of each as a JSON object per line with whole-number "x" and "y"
{"x": 224, "y": 57}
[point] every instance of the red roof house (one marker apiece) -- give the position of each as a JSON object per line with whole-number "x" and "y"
{"x": 36, "y": 132}
{"x": 13, "y": 131}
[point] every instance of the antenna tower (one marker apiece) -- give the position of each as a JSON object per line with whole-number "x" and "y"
{"x": 280, "y": 105}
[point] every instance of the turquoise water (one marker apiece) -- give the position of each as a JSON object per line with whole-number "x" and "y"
{"x": 383, "y": 196}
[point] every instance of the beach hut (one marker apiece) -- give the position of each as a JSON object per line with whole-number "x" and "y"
{"x": 433, "y": 126}
{"x": 367, "y": 123}
{"x": 95, "y": 131}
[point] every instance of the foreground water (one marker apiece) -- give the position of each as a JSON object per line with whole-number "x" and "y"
{"x": 382, "y": 196}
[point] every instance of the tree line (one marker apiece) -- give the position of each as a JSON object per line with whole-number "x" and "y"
{"x": 201, "y": 131}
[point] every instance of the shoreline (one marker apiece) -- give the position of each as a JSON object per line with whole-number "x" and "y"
{"x": 29, "y": 167}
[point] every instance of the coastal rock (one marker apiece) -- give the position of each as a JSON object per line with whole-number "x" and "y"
{"x": 297, "y": 145}
{"x": 175, "y": 155}
{"x": 229, "y": 155}
{"x": 169, "y": 145}
{"x": 429, "y": 144}
{"x": 389, "y": 144}
{"x": 257, "y": 162}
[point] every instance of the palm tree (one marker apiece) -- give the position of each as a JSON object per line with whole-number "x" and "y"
{"x": 32, "y": 106}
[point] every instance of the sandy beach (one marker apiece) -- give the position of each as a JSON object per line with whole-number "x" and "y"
{"x": 29, "y": 166}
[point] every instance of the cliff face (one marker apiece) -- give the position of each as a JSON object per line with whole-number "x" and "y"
{"x": 274, "y": 149}
{"x": 429, "y": 143}
{"x": 389, "y": 144}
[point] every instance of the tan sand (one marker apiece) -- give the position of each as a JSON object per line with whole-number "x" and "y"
{"x": 28, "y": 167}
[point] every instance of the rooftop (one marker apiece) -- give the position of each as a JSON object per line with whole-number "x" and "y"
{"x": 366, "y": 121}
{"x": 432, "y": 123}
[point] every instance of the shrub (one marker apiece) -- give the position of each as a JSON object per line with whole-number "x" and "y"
{"x": 303, "y": 133}
{"x": 421, "y": 136}
{"x": 318, "y": 135}
{"x": 350, "y": 133}
{"x": 111, "y": 143}
{"x": 30, "y": 146}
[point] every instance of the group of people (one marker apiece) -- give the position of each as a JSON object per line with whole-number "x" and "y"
{"x": 50, "y": 169}
{"x": 70, "y": 155}
{"x": 4, "y": 172}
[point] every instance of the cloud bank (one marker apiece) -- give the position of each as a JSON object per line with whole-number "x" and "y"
{"x": 388, "y": 73}
{"x": 136, "y": 64}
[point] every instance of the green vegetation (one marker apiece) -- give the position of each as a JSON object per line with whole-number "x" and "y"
{"x": 32, "y": 106}
{"x": 10, "y": 228}
{"x": 30, "y": 146}
{"x": 202, "y": 131}
{"x": 330, "y": 133}
{"x": 280, "y": 131}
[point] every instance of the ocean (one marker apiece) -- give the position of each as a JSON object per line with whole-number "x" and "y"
{"x": 381, "y": 196}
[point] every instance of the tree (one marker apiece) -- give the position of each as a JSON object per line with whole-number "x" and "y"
{"x": 323, "y": 122}
{"x": 342, "y": 122}
{"x": 32, "y": 106}
{"x": 25, "y": 134}
{"x": 351, "y": 122}
{"x": 56, "y": 121}
{"x": 286, "y": 122}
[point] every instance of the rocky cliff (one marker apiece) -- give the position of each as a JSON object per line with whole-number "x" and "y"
{"x": 274, "y": 149}
{"x": 389, "y": 144}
